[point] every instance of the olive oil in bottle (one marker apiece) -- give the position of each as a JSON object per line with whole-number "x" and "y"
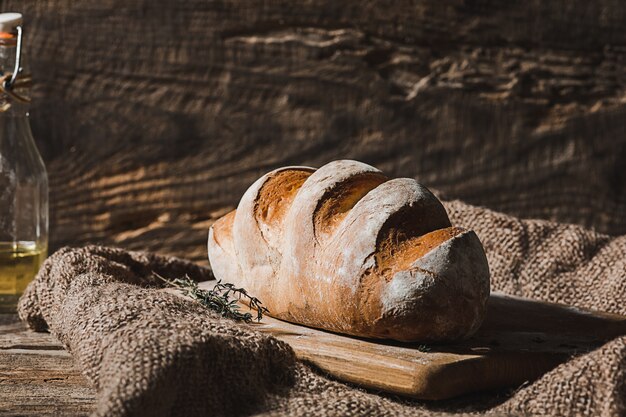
{"x": 23, "y": 178}
{"x": 19, "y": 263}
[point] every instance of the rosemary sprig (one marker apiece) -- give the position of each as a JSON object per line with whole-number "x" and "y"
{"x": 423, "y": 348}
{"x": 223, "y": 298}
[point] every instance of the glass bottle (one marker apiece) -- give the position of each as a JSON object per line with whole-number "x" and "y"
{"x": 23, "y": 178}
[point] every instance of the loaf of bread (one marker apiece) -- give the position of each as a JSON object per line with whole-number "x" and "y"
{"x": 346, "y": 249}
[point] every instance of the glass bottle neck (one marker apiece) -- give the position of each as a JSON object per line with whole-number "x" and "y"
{"x": 15, "y": 111}
{"x": 9, "y": 107}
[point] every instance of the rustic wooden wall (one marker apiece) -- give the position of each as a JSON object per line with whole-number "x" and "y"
{"x": 154, "y": 116}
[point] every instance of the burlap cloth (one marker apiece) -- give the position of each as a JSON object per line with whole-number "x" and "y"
{"x": 150, "y": 353}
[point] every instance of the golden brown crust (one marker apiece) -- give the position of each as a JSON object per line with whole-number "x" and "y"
{"x": 223, "y": 229}
{"x": 346, "y": 249}
{"x": 337, "y": 202}
{"x": 396, "y": 251}
{"x": 276, "y": 195}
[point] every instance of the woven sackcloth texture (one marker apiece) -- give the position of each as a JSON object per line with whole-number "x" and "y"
{"x": 151, "y": 353}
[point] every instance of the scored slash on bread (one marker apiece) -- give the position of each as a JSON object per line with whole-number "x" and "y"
{"x": 346, "y": 249}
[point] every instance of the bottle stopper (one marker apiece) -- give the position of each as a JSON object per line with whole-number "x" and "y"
{"x": 10, "y": 21}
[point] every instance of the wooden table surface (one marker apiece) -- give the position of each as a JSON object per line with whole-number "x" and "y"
{"x": 37, "y": 376}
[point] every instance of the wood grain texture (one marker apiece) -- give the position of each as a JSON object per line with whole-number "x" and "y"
{"x": 37, "y": 376}
{"x": 152, "y": 115}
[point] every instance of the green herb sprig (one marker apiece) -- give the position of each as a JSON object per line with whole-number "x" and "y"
{"x": 223, "y": 298}
{"x": 423, "y": 348}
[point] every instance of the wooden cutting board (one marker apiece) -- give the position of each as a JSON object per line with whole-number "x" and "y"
{"x": 520, "y": 340}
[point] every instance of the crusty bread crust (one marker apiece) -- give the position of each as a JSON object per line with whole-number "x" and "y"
{"x": 346, "y": 249}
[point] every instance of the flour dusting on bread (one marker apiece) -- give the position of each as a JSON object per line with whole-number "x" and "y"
{"x": 347, "y": 249}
